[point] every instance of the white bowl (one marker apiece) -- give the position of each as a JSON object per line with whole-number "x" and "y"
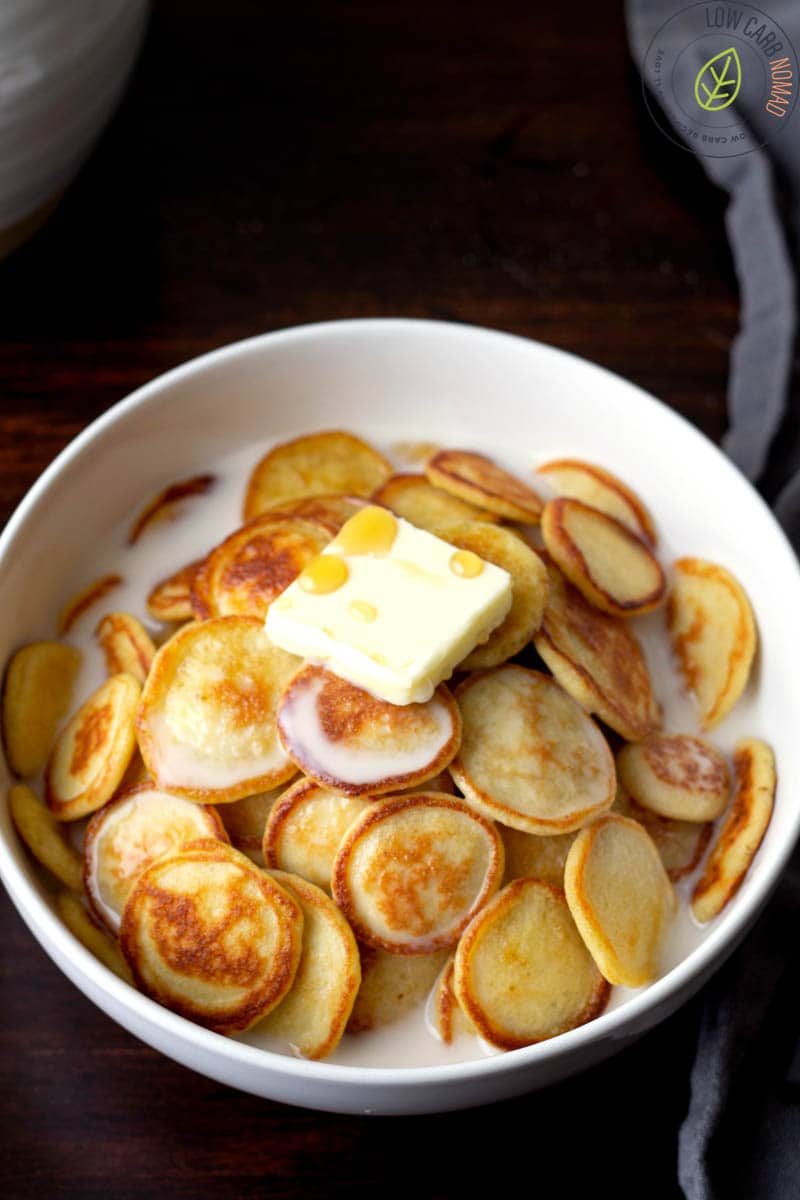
{"x": 411, "y": 381}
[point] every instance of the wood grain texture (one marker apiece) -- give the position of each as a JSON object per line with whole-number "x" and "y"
{"x": 273, "y": 165}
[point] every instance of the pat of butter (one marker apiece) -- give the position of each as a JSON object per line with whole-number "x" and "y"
{"x": 402, "y": 617}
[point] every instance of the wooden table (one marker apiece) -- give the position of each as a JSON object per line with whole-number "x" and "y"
{"x": 273, "y": 165}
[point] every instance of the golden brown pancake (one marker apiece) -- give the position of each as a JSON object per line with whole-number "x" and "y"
{"x": 44, "y": 836}
{"x": 318, "y": 464}
{"x": 713, "y": 635}
{"x": 306, "y": 827}
{"x": 210, "y": 936}
{"x": 93, "y": 750}
{"x": 127, "y": 835}
{"x": 330, "y": 511}
{"x": 391, "y": 985}
{"x": 612, "y": 567}
{"x": 245, "y": 820}
{"x": 522, "y": 973}
{"x": 413, "y": 870}
{"x": 171, "y": 598}
{"x": 96, "y": 941}
{"x": 351, "y": 741}
{"x": 418, "y": 501}
{"x": 207, "y": 721}
{"x": 244, "y": 574}
{"x": 621, "y": 898}
{"x": 530, "y": 856}
{"x": 579, "y": 480}
{"x": 126, "y": 645}
{"x": 742, "y": 831}
{"x": 165, "y": 505}
{"x": 446, "y": 1014}
{"x": 314, "y": 1014}
{"x": 85, "y": 599}
{"x": 530, "y": 757}
{"x": 681, "y": 844}
{"x": 597, "y": 659}
{"x": 36, "y": 696}
{"x": 477, "y": 479}
{"x": 675, "y": 775}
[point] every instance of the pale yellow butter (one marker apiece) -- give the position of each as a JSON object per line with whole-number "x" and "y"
{"x": 424, "y": 617}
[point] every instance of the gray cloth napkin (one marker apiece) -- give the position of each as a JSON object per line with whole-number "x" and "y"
{"x": 741, "y": 1134}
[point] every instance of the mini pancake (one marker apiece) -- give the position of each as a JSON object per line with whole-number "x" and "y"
{"x": 529, "y": 856}
{"x": 351, "y": 741}
{"x": 306, "y": 827}
{"x": 130, "y": 833}
{"x": 319, "y": 464}
{"x": 313, "y": 1016}
{"x": 477, "y": 479}
{"x": 608, "y": 564}
{"x": 579, "y": 480}
{"x": 44, "y": 836}
{"x": 443, "y": 782}
{"x": 391, "y": 985}
{"x": 522, "y": 973}
{"x": 713, "y": 634}
{"x": 742, "y": 831}
{"x": 330, "y": 511}
{"x": 597, "y": 659}
{"x": 212, "y": 937}
{"x": 96, "y": 941}
{"x": 92, "y": 752}
{"x": 528, "y": 587}
{"x": 36, "y": 696}
{"x": 413, "y": 870}
{"x": 126, "y": 645}
{"x": 207, "y": 722}
{"x": 621, "y": 898}
{"x": 244, "y": 574}
{"x": 165, "y": 505}
{"x": 418, "y": 501}
{"x": 85, "y": 599}
{"x": 530, "y": 757}
{"x": 171, "y": 598}
{"x": 245, "y": 820}
{"x": 444, "y": 1013}
{"x": 675, "y": 775}
{"x": 681, "y": 844}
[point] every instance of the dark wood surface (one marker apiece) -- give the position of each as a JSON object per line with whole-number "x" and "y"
{"x": 273, "y": 165}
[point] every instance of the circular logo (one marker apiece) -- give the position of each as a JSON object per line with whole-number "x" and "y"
{"x": 725, "y": 77}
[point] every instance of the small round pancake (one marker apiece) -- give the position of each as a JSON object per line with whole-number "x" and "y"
{"x": 475, "y": 478}
{"x": 313, "y": 1016}
{"x": 528, "y": 574}
{"x": 244, "y": 574}
{"x": 597, "y": 659}
{"x": 579, "y": 480}
{"x": 36, "y": 697}
{"x": 621, "y": 898}
{"x": 681, "y": 844}
{"x": 413, "y": 870}
{"x": 129, "y": 834}
{"x": 207, "y": 722}
{"x": 445, "y": 1014}
{"x": 126, "y": 645}
{"x": 171, "y": 598}
{"x": 44, "y": 836}
{"x": 212, "y": 937}
{"x": 330, "y": 511}
{"x": 675, "y": 775}
{"x": 391, "y": 985}
{"x": 306, "y": 827}
{"x": 82, "y": 926}
{"x": 612, "y": 567}
{"x": 742, "y": 830}
{"x": 351, "y": 741}
{"x": 245, "y": 820}
{"x": 418, "y": 501}
{"x": 522, "y": 973}
{"x": 316, "y": 465}
{"x": 93, "y": 750}
{"x": 713, "y": 634}
{"x": 530, "y": 757}
{"x": 529, "y": 856}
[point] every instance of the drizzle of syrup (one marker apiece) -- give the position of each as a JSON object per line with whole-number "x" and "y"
{"x": 370, "y": 531}
{"x": 325, "y": 573}
{"x": 466, "y": 564}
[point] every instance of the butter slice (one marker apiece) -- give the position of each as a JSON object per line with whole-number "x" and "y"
{"x": 423, "y": 618}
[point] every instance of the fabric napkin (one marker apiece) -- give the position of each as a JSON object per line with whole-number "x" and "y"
{"x": 741, "y": 1134}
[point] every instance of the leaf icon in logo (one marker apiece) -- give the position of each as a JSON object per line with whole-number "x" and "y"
{"x": 718, "y": 81}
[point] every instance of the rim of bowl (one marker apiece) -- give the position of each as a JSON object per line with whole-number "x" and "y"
{"x": 40, "y": 918}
